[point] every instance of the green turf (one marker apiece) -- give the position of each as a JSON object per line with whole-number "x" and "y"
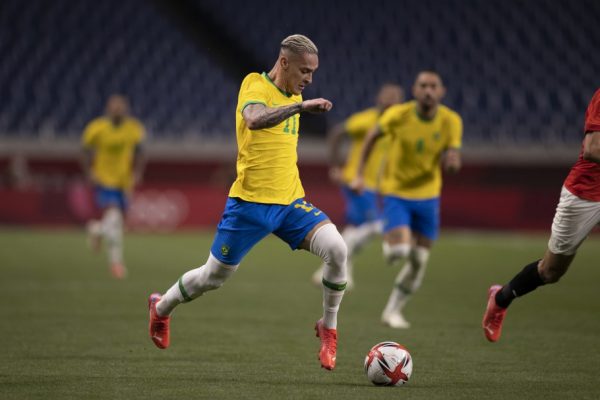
{"x": 69, "y": 331}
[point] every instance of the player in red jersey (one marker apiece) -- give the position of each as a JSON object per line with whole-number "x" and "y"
{"x": 577, "y": 213}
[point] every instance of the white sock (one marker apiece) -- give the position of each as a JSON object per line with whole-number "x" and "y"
{"x": 112, "y": 229}
{"x": 409, "y": 280}
{"x": 395, "y": 253}
{"x": 94, "y": 227}
{"x": 195, "y": 283}
{"x": 356, "y": 236}
{"x": 328, "y": 244}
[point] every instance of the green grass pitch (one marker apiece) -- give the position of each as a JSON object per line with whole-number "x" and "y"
{"x": 69, "y": 331}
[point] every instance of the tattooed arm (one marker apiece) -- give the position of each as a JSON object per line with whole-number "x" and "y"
{"x": 259, "y": 116}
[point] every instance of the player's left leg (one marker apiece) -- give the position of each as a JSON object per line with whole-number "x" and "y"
{"x": 363, "y": 223}
{"x": 573, "y": 221}
{"x": 113, "y": 203}
{"x": 306, "y": 227}
{"x": 325, "y": 241}
{"x": 424, "y": 225}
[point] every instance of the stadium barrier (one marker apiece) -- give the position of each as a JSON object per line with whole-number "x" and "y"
{"x": 191, "y": 195}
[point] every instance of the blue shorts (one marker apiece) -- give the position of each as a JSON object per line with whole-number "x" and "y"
{"x": 361, "y": 208}
{"x": 422, "y": 216}
{"x": 108, "y": 197}
{"x": 244, "y": 224}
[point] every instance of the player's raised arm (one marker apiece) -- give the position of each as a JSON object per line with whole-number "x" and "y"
{"x": 591, "y": 147}
{"x": 358, "y": 182}
{"x": 259, "y": 116}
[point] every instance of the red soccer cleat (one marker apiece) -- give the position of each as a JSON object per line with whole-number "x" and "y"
{"x": 118, "y": 271}
{"x": 493, "y": 317}
{"x": 159, "y": 326}
{"x": 328, "y": 348}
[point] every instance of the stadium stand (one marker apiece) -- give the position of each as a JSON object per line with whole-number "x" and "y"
{"x": 518, "y": 71}
{"x": 61, "y": 60}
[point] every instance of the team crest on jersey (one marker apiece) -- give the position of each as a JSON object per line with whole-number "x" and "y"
{"x": 224, "y": 250}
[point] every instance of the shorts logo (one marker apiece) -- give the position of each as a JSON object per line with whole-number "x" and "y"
{"x": 224, "y": 250}
{"x": 305, "y": 206}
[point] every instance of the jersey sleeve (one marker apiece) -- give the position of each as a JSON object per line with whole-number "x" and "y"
{"x": 140, "y": 133}
{"x": 353, "y": 126}
{"x": 455, "y": 131}
{"x": 253, "y": 92}
{"x": 90, "y": 133}
{"x": 592, "y": 115}
{"x": 389, "y": 118}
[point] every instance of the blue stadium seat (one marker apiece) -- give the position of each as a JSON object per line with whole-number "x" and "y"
{"x": 513, "y": 69}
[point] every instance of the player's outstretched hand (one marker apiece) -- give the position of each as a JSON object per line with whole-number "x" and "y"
{"x": 316, "y": 105}
{"x": 357, "y": 185}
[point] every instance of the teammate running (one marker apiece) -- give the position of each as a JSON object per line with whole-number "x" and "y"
{"x": 114, "y": 165}
{"x": 424, "y": 137}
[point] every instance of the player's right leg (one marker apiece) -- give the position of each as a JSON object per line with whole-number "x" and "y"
{"x": 113, "y": 203}
{"x": 240, "y": 228}
{"x": 397, "y": 249}
{"x": 573, "y": 221}
{"x": 397, "y": 239}
{"x": 190, "y": 285}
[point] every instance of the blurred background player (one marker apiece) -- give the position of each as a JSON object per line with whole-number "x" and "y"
{"x": 267, "y": 196}
{"x": 577, "y": 213}
{"x": 363, "y": 211}
{"x": 113, "y": 163}
{"x": 424, "y": 136}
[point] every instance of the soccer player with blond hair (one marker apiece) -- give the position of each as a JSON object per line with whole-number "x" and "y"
{"x": 267, "y": 196}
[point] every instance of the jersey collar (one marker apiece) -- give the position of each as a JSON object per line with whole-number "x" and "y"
{"x": 268, "y": 78}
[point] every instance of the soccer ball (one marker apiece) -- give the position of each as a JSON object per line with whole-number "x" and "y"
{"x": 388, "y": 364}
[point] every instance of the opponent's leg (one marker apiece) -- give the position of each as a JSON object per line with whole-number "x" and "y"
{"x": 573, "y": 221}
{"x": 538, "y": 273}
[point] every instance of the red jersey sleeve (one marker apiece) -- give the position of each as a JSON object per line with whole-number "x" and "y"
{"x": 592, "y": 115}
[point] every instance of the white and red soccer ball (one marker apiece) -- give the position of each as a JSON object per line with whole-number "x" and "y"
{"x": 388, "y": 364}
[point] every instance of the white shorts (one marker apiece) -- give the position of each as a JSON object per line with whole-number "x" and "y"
{"x": 573, "y": 221}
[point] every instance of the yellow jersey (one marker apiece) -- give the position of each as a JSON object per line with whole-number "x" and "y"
{"x": 357, "y": 126}
{"x": 114, "y": 148}
{"x": 266, "y": 162}
{"x": 413, "y": 169}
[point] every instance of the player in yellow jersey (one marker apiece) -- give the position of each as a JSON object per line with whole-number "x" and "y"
{"x": 425, "y": 137}
{"x": 363, "y": 214}
{"x": 267, "y": 196}
{"x": 114, "y": 164}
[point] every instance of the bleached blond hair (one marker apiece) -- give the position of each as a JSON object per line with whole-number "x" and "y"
{"x": 299, "y": 44}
